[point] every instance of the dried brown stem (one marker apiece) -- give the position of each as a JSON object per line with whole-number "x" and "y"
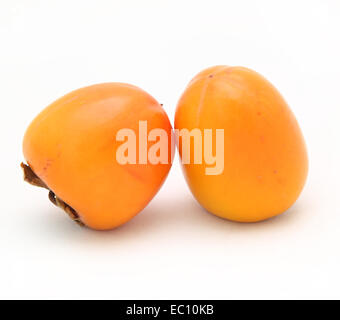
{"x": 33, "y": 179}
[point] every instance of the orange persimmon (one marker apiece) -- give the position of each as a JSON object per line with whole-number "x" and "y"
{"x": 71, "y": 147}
{"x": 265, "y": 160}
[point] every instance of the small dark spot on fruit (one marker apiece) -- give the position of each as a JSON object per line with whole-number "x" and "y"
{"x": 280, "y": 181}
{"x": 275, "y": 171}
{"x": 210, "y": 75}
{"x": 161, "y": 104}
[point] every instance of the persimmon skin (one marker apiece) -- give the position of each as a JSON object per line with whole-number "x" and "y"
{"x": 265, "y": 157}
{"x": 71, "y": 146}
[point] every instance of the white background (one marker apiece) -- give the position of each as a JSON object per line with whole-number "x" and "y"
{"x": 173, "y": 249}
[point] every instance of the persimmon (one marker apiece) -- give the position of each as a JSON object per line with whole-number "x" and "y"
{"x": 264, "y": 165}
{"x": 71, "y": 149}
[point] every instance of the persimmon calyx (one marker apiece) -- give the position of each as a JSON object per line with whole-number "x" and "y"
{"x": 33, "y": 179}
